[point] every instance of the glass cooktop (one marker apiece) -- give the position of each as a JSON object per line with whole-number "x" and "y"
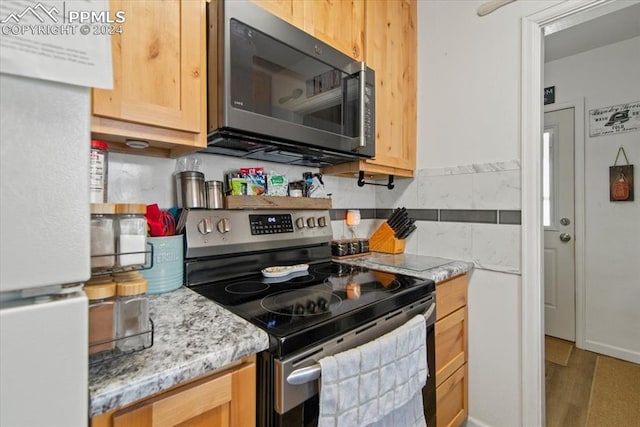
{"x": 329, "y": 299}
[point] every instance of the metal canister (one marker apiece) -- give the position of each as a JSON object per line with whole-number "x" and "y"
{"x": 215, "y": 199}
{"x": 190, "y": 189}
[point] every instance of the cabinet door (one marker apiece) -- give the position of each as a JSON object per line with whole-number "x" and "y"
{"x": 451, "y": 344}
{"x": 451, "y": 295}
{"x": 225, "y": 400}
{"x": 391, "y": 52}
{"x": 339, "y": 24}
{"x": 286, "y": 10}
{"x": 158, "y": 66}
{"x": 452, "y": 399}
{"x": 206, "y": 402}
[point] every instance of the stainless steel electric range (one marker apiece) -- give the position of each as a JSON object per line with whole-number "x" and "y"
{"x": 328, "y": 308}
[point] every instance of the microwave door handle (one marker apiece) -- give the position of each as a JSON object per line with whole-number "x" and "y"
{"x": 363, "y": 86}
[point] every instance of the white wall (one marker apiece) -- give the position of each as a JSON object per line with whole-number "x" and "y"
{"x": 469, "y": 82}
{"x": 469, "y": 119}
{"x": 607, "y": 76}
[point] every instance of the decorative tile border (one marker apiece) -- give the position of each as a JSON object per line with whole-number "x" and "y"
{"x": 510, "y": 217}
{"x": 481, "y": 216}
{"x": 473, "y": 168}
{"x": 476, "y": 216}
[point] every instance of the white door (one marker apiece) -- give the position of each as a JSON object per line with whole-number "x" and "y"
{"x": 558, "y": 221}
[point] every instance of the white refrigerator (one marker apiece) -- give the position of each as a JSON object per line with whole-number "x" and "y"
{"x": 44, "y": 251}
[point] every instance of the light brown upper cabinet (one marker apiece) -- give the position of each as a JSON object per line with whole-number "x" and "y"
{"x": 339, "y": 24}
{"x": 391, "y": 51}
{"x": 159, "y": 70}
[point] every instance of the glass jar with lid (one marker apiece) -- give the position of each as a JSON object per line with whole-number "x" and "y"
{"x": 101, "y": 292}
{"x": 133, "y": 311}
{"x": 102, "y": 236}
{"x": 131, "y": 234}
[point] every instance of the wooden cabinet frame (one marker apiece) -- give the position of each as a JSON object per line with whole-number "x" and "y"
{"x": 451, "y": 368}
{"x": 159, "y": 66}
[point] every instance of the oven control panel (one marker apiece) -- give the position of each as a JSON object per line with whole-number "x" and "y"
{"x": 271, "y": 224}
{"x": 225, "y": 232}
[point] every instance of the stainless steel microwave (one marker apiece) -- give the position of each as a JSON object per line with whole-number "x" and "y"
{"x": 275, "y": 93}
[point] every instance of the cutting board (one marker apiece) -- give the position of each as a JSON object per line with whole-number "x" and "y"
{"x": 409, "y": 261}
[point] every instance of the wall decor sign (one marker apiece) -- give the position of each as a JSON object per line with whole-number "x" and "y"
{"x": 621, "y": 180}
{"x": 614, "y": 119}
{"x": 549, "y": 95}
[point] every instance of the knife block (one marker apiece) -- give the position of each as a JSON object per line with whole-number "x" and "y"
{"x": 383, "y": 240}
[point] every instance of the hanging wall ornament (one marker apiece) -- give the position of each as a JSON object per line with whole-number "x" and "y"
{"x": 621, "y": 180}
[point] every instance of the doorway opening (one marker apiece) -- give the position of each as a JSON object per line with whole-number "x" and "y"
{"x": 560, "y": 16}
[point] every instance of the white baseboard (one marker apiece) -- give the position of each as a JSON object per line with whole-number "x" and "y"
{"x": 473, "y": 422}
{"x": 613, "y": 351}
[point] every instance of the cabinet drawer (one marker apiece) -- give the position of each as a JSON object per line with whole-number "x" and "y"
{"x": 225, "y": 398}
{"x": 451, "y": 295}
{"x": 451, "y": 399}
{"x": 451, "y": 344}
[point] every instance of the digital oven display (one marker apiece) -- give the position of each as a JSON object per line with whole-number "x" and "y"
{"x": 271, "y": 224}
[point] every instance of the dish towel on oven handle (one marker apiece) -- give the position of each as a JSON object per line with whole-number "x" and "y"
{"x": 379, "y": 383}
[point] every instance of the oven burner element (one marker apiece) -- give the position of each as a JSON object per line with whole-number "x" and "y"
{"x": 302, "y": 279}
{"x": 246, "y": 288}
{"x": 300, "y": 302}
{"x": 336, "y": 269}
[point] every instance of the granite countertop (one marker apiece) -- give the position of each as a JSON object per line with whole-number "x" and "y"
{"x": 426, "y": 267}
{"x": 192, "y": 336}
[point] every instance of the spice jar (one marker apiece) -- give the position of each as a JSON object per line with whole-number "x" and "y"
{"x": 102, "y": 236}
{"x": 101, "y": 292}
{"x": 98, "y": 167}
{"x": 133, "y": 311}
{"x": 131, "y": 234}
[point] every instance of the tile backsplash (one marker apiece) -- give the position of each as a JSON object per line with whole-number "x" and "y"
{"x": 150, "y": 179}
{"x": 471, "y": 194}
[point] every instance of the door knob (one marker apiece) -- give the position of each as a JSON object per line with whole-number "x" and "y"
{"x": 565, "y": 237}
{"x": 565, "y": 221}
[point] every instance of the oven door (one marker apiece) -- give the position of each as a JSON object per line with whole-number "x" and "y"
{"x": 288, "y": 388}
{"x": 279, "y": 82}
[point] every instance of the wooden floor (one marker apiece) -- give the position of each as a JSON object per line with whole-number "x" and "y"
{"x": 568, "y": 389}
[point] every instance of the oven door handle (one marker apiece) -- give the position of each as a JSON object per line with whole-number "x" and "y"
{"x": 312, "y": 373}
{"x": 304, "y": 375}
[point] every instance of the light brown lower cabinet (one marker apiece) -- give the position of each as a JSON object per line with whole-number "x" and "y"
{"x": 224, "y": 398}
{"x": 451, "y": 352}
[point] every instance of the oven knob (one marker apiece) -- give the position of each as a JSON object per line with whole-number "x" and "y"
{"x": 300, "y": 223}
{"x": 322, "y": 304}
{"x": 224, "y": 225}
{"x": 299, "y": 309}
{"x": 311, "y": 306}
{"x": 322, "y": 221}
{"x": 205, "y": 226}
{"x": 311, "y": 222}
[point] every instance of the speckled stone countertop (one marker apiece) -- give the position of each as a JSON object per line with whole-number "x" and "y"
{"x": 426, "y": 267}
{"x": 192, "y": 336}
